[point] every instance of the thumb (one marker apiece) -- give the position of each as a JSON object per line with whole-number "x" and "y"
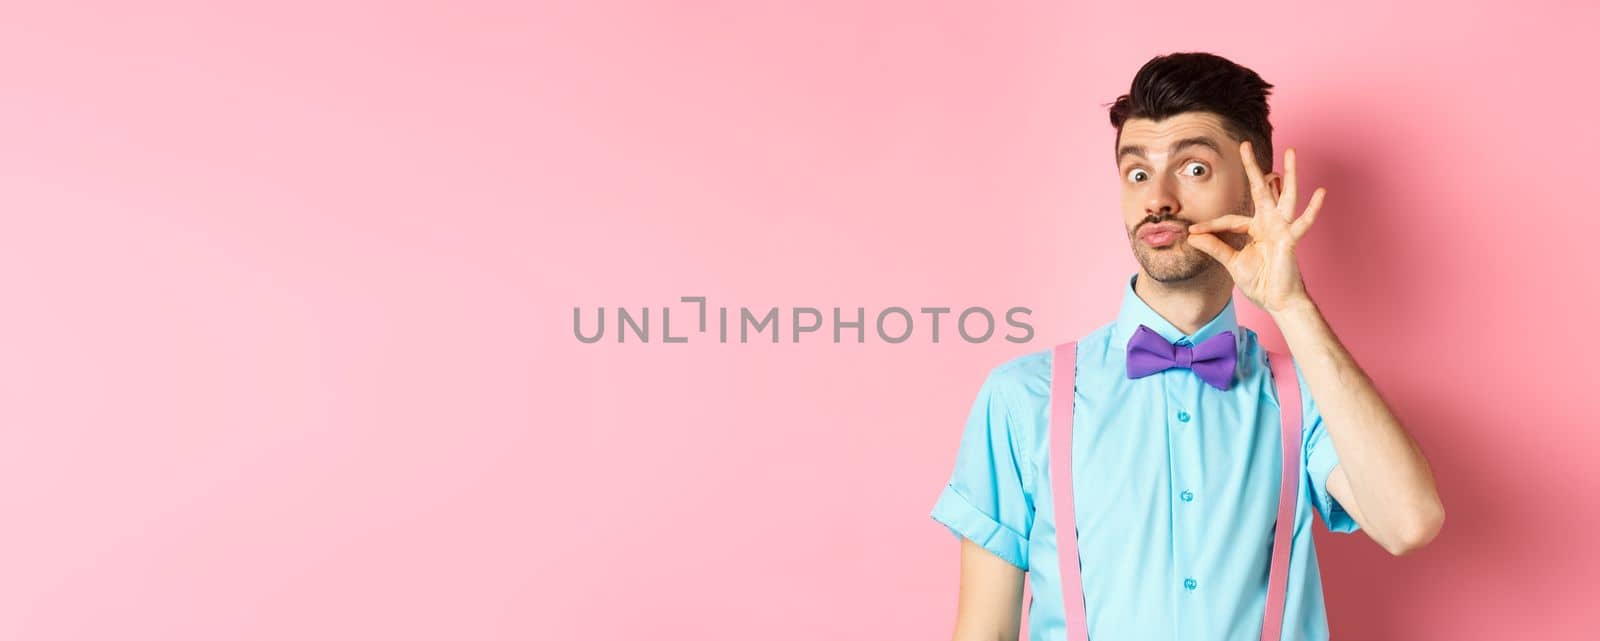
{"x": 1213, "y": 246}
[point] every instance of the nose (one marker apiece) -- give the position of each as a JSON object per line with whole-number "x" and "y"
{"x": 1161, "y": 199}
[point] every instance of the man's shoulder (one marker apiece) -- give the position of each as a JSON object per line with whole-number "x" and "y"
{"x": 1022, "y": 371}
{"x": 1028, "y": 375}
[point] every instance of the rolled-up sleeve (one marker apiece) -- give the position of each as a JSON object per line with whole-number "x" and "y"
{"x": 985, "y": 499}
{"x": 1320, "y": 461}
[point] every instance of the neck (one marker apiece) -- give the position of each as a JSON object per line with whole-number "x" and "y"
{"x": 1188, "y": 304}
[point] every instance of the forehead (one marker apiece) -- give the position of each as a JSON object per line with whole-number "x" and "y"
{"x": 1157, "y": 136}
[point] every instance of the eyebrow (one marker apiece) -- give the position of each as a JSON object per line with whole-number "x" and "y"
{"x": 1197, "y": 141}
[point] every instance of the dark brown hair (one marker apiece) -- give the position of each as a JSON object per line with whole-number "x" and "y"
{"x": 1185, "y": 82}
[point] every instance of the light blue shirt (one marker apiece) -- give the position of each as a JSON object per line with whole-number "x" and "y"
{"x": 1177, "y": 489}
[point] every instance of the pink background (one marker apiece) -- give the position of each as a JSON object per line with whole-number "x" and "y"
{"x": 289, "y": 289}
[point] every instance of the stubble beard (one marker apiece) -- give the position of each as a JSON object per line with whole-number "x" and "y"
{"x": 1181, "y": 261}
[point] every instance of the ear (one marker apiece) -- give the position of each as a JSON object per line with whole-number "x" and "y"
{"x": 1275, "y": 183}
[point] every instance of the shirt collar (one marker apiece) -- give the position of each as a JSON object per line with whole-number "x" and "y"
{"x": 1136, "y": 312}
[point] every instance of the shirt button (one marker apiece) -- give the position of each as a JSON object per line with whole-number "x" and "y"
{"x": 1187, "y": 496}
{"x": 1183, "y": 416}
{"x": 1190, "y": 584}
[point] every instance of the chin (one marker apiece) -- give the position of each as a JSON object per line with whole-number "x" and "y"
{"x": 1173, "y": 264}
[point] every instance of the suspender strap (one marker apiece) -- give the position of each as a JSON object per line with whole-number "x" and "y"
{"x": 1063, "y": 380}
{"x": 1288, "y": 488}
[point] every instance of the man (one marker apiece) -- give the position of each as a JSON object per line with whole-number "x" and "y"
{"x": 1177, "y": 476}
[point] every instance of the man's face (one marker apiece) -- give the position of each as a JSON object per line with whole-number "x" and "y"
{"x": 1177, "y": 172}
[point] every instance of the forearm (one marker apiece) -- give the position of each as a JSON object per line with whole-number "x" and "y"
{"x": 1388, "y": 476}
{"x": 989, "y": 607}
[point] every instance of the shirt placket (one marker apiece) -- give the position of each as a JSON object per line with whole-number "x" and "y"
{"x": 1185, "y": 494}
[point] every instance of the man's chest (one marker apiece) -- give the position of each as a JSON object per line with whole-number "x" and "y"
{"x": 1159, "y": 460}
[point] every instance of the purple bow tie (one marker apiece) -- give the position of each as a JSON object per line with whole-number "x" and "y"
{"x": 1213, "y": 359}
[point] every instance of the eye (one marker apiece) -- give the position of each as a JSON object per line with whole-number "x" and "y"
{"x": 1195, "y": 169}
{"x": 1137, "y": 175}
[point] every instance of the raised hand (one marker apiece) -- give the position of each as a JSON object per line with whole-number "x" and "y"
{"x": 1265, "y": 268}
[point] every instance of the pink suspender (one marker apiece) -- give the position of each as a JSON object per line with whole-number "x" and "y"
{"x": 1063, "y": 380}
{"x": 1062, "y": 386}
{"x": 1288, "y": 486}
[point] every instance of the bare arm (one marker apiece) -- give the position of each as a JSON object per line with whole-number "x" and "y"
{"x": 990, "y": 604}
{"x": 1383, "y": 479}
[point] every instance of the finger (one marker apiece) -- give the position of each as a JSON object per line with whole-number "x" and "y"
{"x": 1291, "y": 194}
{"x": 1303, "y": 224}
{"x": 1258, "y": 183}
{"x": 1213, "y": 246}
{"x": 1230, "y": 222}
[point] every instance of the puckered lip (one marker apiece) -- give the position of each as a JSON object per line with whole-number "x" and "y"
{"x": 1157, "y": 228}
